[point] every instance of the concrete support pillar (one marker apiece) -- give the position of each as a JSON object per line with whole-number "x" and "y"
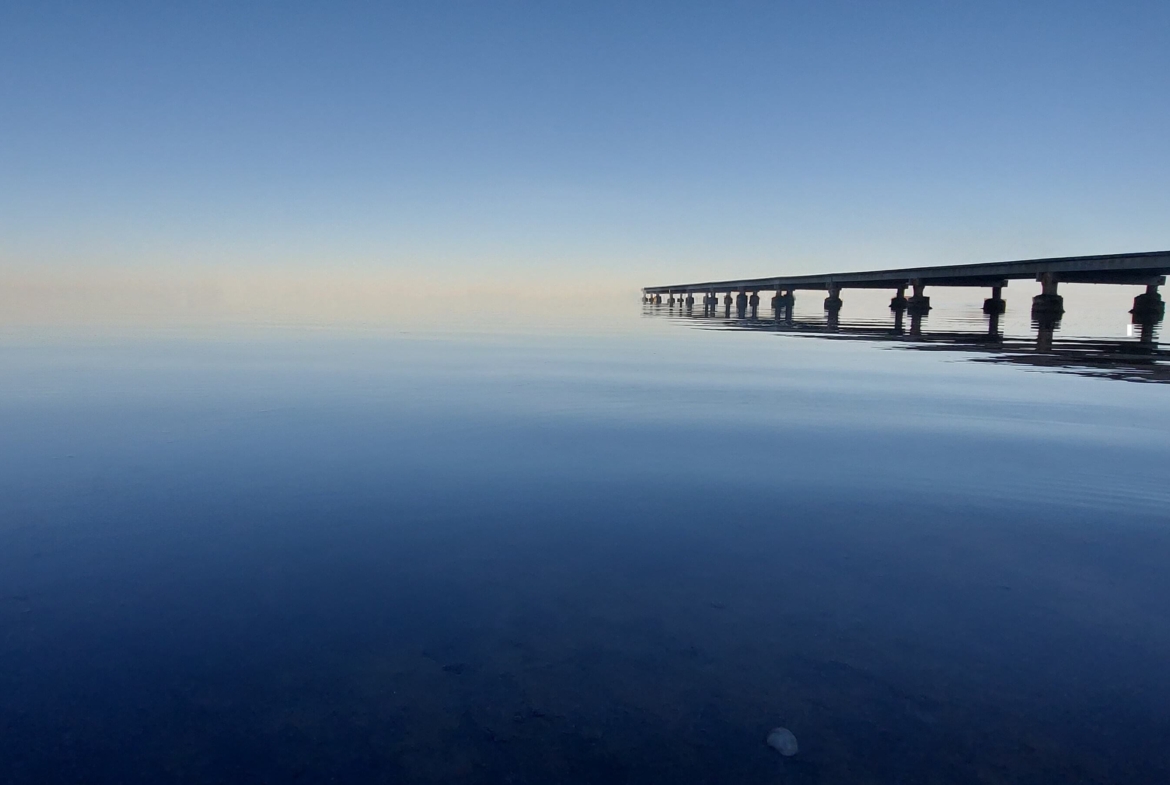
{"x": 1146, "y": 336}
{"x": 898, "y": 328}
{"x": 1148, "y": 307}
{"x": 918, "y": 300}
{"x": 1045, "y": 329}
{"x": 1048, "y": 302}
{"x": 741, "y": 303}
{"x": 995, "y": 304}
{"x": 690, "y": 301}
{"x": 899, "y": 300}
{"x": 833, "y": 301}
{"x": 915, "y": 322}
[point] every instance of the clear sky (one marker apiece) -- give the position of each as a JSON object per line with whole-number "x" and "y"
{"x": 641, "y": 142}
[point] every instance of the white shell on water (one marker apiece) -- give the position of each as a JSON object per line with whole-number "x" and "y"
{"x": 782, "y": 740}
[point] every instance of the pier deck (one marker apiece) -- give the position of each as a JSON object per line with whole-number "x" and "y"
{"x": 1136, "y": 268}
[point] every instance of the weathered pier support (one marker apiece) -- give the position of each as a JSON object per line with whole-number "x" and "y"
{"x": 1148, "y": 307}
{"x": 993, "y": 324}
{"x": 1045, "y": 330}
{"x": 918, "y": 300}
{"x": 1048, "y": 302}
{"x": 995, "y": 304}
{"x": 833, "y": 302}
{"x": 915, "y": 322}
{"x": 898, "y": 302}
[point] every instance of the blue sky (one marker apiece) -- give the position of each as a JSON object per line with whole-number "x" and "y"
{"x": 634, "y": 141}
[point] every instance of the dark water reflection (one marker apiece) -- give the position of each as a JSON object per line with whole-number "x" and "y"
{"x": 582, "y": 557}
{"x": 1138, "y": 357}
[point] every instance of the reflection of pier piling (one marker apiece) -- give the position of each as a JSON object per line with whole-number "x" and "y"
{"x": 1147, "y": 269}
{"x": 1139, "y": 358}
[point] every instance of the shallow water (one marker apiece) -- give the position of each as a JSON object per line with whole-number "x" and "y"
{"x": 610, "y": 550}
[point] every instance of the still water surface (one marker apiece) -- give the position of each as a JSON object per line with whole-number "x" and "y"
{"x": 610, "y": 551}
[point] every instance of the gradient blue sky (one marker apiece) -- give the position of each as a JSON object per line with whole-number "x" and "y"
{"x": 634, "y": 141}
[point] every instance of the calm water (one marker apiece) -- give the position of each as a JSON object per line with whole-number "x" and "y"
{"x": 595, "y": 550}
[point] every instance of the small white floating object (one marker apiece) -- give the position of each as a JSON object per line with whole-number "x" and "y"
{"x": 782, "y": 740}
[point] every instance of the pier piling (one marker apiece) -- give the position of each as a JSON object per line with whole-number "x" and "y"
{"x": 918, "y": 301}
{"x": 1148, "y": 306}
{"x": 995, "y": 304}
{"x": 833, "y": 301}
{"x": 899, "y": 300}
{"x": 1048, "y": 302}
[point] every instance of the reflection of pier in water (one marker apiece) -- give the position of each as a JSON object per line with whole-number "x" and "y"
{"x": 1138, "y": 359}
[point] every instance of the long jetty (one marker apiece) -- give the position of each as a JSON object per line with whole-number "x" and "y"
{"x": 1144, "y": 269}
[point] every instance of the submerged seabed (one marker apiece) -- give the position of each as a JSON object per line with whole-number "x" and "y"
{"x": 602, "y": 554}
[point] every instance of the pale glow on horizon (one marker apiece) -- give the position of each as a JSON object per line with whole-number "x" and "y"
{"x": 128, "y": 296}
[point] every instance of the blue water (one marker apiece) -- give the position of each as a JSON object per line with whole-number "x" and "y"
{"x": 605, "y": 550}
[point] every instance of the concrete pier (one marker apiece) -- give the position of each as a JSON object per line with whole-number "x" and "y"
{"x": 918, "y": 301}
{"x": 993, "y": 322}
{"x": 833, "y": 302}
{"x": 1147, "y": 269}
{"x": 1045, "y": 325}
{"x": 1048, "y": 302}
{"x": 898, "y": 302}
{"x": 1148, "y": 306}
{"x": 995, "y": 304}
